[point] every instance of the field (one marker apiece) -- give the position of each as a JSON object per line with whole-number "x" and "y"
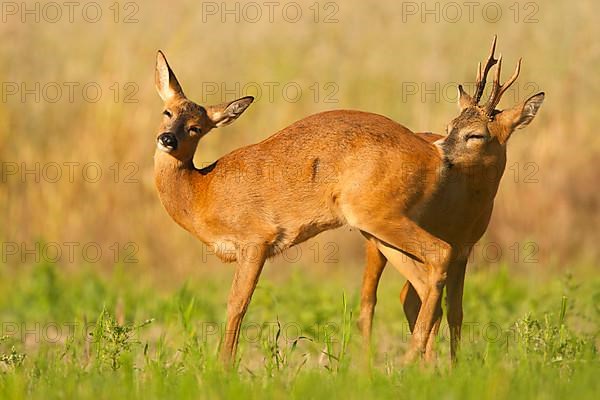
{"x": 104, "y": 296}
{"x": 525, "y": 336}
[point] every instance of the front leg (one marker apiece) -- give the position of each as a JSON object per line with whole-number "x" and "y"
{"x": 454, "y": 297}
{"x": 247, "y": 272}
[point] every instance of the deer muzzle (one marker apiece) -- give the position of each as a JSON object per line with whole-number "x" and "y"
{"x": 167, "y": 142}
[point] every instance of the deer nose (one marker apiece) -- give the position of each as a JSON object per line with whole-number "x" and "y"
{"x": 167, "y": 140}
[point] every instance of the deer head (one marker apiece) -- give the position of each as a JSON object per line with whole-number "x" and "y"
{"x": 185, "y": 122}
{"x": 481, "y": 131}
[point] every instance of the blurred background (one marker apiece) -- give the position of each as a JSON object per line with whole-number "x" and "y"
{"x": 79, "y": 114}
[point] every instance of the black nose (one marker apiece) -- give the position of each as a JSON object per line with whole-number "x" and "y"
{"x": 168, "y": 140}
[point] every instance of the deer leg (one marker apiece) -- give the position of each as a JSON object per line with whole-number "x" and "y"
{"x": 399, "y": 239}
{"x": 422, "y": 330}
{"x": 245, "y": 278}
{"x": 411, "y": 302}
{"x": 430, "y": 353}
{"x": 454, "y": 297}
{"x": 406, "y": 242}
{"x": 368, "y": 299}
{"x": 428, "y": 315}
{"x": 413, "y": 272}
{"x": 428, "y": 280}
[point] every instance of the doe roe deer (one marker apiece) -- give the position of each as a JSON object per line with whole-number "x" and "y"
{"x": 413, "y": 199}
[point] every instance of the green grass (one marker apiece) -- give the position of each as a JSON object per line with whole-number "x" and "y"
{"x": 81, "y": 335}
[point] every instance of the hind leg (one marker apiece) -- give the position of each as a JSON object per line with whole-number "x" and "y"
{"x": 399, "y": 237}
{"x": 368, "y": 299}
{"x": 427, "y": 278}
{"x": 411, "y": 303}
{"x": 409, "y": 297}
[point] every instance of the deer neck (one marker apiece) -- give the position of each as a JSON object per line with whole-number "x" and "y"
{"x": 492, "y": 172}
{"x": 477, "y": 182}
{"x": 180, "y": 187}
{"x": 483, "y": 179}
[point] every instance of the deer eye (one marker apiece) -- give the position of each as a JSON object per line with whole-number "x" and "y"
{"x": 194, "y": 129}
{"x": 167, "y": 113}
{"x": 475, "y": 136}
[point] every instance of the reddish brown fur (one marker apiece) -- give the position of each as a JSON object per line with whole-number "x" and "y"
{"x": 421, "y": 200}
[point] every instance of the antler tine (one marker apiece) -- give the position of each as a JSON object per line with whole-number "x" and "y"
{"x": 499, "y": 90}
{"x": 496, "y": 83}
{"x": 482, "y": 76}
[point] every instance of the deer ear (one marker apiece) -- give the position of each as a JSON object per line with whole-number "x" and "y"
{"x": 464, "y": 100}
{"x": 226, "y": 113}
{"x": 519, "y": 116}
{"x": 166, "y": 83}
{"x": 529, "y": 109}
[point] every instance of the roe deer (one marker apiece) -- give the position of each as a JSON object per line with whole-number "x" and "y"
{"x": 411, "y": 197}
{"x": 471, "y": 172}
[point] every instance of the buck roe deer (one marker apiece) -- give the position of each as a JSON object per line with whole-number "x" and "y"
{"x": 414, "y": 197}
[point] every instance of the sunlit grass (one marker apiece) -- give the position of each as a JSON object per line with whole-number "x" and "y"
{"x": 526, "y": 342}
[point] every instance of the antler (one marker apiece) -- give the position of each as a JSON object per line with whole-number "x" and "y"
{"x": 482, "y": 76}
{"x": 497, "y": 89}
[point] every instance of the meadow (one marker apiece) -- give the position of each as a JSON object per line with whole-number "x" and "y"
{"x": 89, "y": 336}
{"x": 103, "y": 296}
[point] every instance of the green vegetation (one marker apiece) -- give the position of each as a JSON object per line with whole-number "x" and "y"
{"x": 67, "y": 331}
{"x": 103, "y": 337}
